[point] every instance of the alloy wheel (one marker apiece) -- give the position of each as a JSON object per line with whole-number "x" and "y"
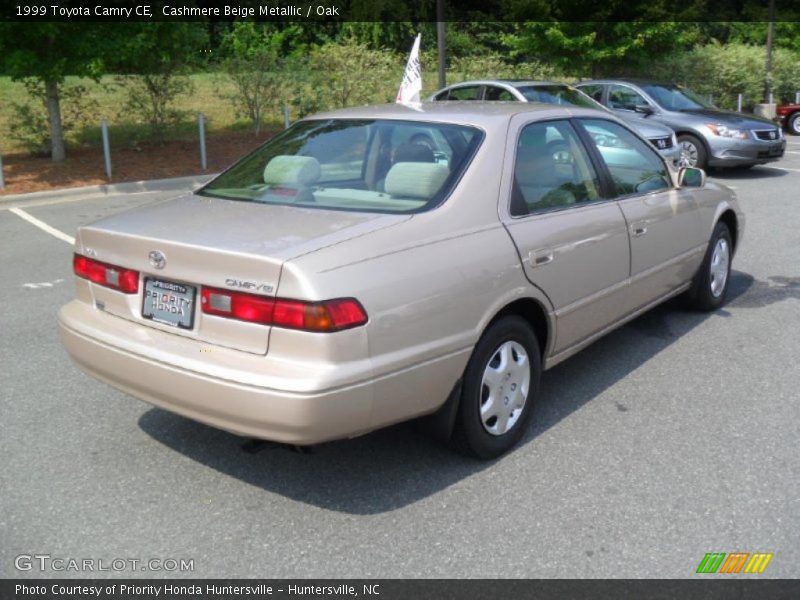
{"x": 688, "y": 154}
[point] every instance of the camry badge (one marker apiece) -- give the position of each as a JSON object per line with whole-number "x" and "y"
{"x": 157, "y": 259}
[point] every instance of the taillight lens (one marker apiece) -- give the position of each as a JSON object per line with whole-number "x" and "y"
{"x": 327, "y": 316}
{"x": 111, "y": 276}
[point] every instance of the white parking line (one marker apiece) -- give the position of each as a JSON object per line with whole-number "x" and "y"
{"x": 43, "y": 284}
{"x": 780, "y": 168}
{"x": 42, "y": 225}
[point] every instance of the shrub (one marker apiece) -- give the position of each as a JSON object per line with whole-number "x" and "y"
{"x": 494, "y": 66}
{"x": 151, "y": 99}
{"x": 337, "y": 75}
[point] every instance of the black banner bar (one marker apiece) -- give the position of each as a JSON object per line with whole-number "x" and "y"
{"x": 398, "y": 589}
{"x": 397, "y": 10}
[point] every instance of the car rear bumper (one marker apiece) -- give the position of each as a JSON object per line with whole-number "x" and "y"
{"x": 182, "y": 384}
{"x": 248, "y": 394}
{"x": 730, "y": 153}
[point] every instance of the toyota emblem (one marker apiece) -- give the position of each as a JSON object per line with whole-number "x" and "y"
{"x": 157, "y": 259}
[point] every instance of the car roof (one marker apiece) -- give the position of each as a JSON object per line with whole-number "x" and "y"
{"x": 633, "y": 80}
{"x": 468, "y": 112}
{"x": 511, "y": 82}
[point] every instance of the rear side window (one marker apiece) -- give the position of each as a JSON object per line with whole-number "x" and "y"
{"x": 634, "y": 166}
{"x": 498, "y": 94}
{"x": 552, "y": 170}
{"x": 594, "y": 91}
{"x": 472, "y": 92}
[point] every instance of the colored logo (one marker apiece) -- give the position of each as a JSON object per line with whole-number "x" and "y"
{"x": 735, "y": 562}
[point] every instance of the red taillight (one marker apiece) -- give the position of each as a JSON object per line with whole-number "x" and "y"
{"x": 111, "y": 276}
{"x": 330, "y": 315}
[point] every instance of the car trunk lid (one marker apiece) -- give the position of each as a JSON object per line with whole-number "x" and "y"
{"x": 192, "y": 241}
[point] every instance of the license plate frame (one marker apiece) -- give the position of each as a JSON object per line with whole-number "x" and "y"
{"x": 776, "y": 150}
{"x": 177, "y": 302}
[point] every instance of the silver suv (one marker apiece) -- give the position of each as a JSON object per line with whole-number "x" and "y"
{"x": 708, "y": 136}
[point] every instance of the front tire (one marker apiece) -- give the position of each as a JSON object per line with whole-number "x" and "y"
{"x": 501, "y": 382}
{"x": 710, "y": 285}
{"x": 693, "y": 152}
{"x": 794, "y": 123}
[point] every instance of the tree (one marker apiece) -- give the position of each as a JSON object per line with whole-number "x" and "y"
{"x": 593, "y": 48}
{"x": 48, "y": 52}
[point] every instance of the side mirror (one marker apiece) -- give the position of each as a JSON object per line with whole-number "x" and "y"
{"x": 691, "y": 177}
{"x": 645, "y": 109}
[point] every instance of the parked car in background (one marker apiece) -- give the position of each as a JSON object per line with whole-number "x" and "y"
{"x": 788, "y": 116}
{"x": 549, "y": 92}
{"x": 346, "y": 276}
{"x": 708, "y": 136}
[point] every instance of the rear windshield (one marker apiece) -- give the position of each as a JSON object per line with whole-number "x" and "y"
{"x": 355, "y": 164}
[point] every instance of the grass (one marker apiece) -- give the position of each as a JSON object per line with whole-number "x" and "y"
{"x": 207, "y": 97}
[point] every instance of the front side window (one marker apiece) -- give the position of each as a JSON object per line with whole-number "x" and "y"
{"x": 354, "y": 164}
{"x": 621, "y": 96}
{"x": 634, "y": 166}
{"x": 551, "y": 170}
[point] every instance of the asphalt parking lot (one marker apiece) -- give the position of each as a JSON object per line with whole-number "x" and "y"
{"x": 677, "y": 435}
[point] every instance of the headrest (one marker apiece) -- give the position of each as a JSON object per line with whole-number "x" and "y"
{"x": 292, "y": 171}
{"x": 413, "y": 153}
{"x": 415, "y": 179}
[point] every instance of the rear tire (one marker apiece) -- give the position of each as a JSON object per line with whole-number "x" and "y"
{"x": 500, "y": 385}
{"x": 710, "y": 286}
{"x": 794, "y": 123}
{"x": 693, "y": 151}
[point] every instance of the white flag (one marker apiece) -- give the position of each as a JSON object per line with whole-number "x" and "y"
{"x": 411, "y": 85}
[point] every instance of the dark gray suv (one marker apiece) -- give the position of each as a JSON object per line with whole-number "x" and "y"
{"x": 708, "y": 136}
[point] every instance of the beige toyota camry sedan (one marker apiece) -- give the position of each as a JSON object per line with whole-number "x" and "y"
{"x": 373, "y": 265}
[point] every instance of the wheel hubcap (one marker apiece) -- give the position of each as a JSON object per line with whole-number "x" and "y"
{"x": 504, "y": 388}
{"x": 688, "y": 153}
{"x": 720, "y": 260}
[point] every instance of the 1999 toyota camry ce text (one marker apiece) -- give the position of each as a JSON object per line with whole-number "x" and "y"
{"x": 373, "y": 265}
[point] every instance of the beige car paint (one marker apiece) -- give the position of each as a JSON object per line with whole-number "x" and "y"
{"x": 430, "y": 283}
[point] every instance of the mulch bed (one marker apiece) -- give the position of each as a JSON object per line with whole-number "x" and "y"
{"x": 85, "y": 166}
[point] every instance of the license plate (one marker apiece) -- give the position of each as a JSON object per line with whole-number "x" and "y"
{"x": 776, "y": 150}
{"x": 169, "y": 303}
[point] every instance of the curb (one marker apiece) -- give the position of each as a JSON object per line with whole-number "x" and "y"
{"x": 107, "y": 189}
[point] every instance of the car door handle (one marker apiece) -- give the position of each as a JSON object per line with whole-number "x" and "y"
{"x": 537, "y": 258}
